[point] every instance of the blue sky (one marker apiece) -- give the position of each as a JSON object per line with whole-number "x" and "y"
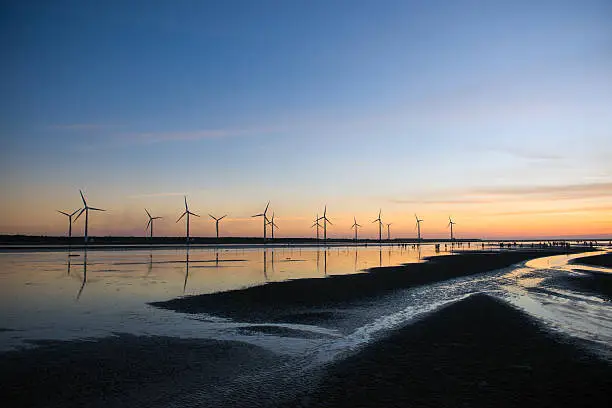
{"x": 361, "y": 105}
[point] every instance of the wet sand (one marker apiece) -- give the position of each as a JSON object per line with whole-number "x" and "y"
{"x": 596, "y": 260}
{"x": 479, "y": 353}
{"x": 316, "y": 301}
{"x": 125, "y": 371}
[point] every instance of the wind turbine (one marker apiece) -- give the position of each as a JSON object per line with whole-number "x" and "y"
{"x": 356, "y": 226}
{"x": 325, "y": 221}
{"x": 217, "y": 222}
{"x": 150, "y": 223}
{"x": 69, "y": 223}
{"x": 418, "y": 225}
{"x": 389, "y": 231}
{"x": 272, "y": 225}
{"x": 85, "y": 210}
{"x": 380, "y": 223}
{"x": 450, "y": 224}
{"x": 316, "y": 224}
{"x": 188, "y": 213}
{"x": 265, "y": 220}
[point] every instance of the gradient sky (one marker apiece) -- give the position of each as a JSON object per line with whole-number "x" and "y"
{"x": 498, "y": 113}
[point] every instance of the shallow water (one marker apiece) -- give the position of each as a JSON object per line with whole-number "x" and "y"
{"x": 61, "y": 295}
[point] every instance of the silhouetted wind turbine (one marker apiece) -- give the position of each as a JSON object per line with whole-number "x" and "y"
{"x": 188, "y": 213}
{"x": 380, "y": 223}
{"x": 389, "y": 231}
{"x": 356, "y": 226}
{"x": 85, "y": 210}
{"x": 217, "y": 222}
{"x": 316, "y": 224}
{"x": 265, "y": 220}
{"x": 418, "y": 225}
{"x": 325, "y": 221}
{"x": 272, "y": 226}
{"x": 450, "y": 224}
{"x": 150, "y": 223}
{"x": 69, "y": 222}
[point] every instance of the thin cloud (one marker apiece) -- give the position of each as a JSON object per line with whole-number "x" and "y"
{"x": 556, "y": 211}
{"x": 156, "y": 195}
{"x": 80, "y": 126}
{"x": 587, "y": 190}
{"x": 486, "y": 195}
{"x": 203, "y": 134}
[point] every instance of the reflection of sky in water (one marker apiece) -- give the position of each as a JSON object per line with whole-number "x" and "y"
{"x": 41, "y": 297}
{"x": 45, "y": 295}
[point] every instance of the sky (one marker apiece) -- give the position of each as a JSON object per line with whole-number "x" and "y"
{"x": 498, "y": 114}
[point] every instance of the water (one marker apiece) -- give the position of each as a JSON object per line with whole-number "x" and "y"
{"x": 51, "y": 295}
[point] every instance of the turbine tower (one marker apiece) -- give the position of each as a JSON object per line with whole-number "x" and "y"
{"x": 272, "y": 225}
{"x": 69, "y": 222}
{"x": 316, "y": 224}
{"x": 150, "y": 223}
{"x": 356, "y": 226}
{"x": 450, "y": 224}
{"x": 217, "y": 222}
{"x": 265, "y": 220}
{"x": 85, "y": 210}
{"x": 325, "y": 221}
{"x": 187, "y": 213}
{"x": 418, "y": 225}
{"x": 389, "y": 231}
{"x": 380, "y": 223}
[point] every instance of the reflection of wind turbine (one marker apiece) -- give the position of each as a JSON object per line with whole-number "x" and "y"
{"x": 265, "y": 220}
{"x": 418, "y": 225}
{"x": 69, "y": 223}
{"x": 188, "y": 213}
{"x": 380, "y": 223}
{"x": 450, "y": 224}
{"x": 325, "y": 221}
{"x": 84, "y": 276}
{"x": 389, "y": 231}
{"x": 272, "y": 225}
{"x": 150, "y": 223}
{"x": 356, "y": 226}
{"x": 85, "y": 210}
{"x": 316, "y": 224}
{"x": 186, "y": 269}
{"x": 217, "y": 222}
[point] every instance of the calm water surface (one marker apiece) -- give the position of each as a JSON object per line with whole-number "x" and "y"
{"x": 51, "y": 295}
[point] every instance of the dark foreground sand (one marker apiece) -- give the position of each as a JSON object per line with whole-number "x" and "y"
{"x": 476, "y": 353}
{"x": 596, "y": 260}
{"x": 318, "y": 300}
{"x": 598, "y": 283}
{"x": 124, "y": 371}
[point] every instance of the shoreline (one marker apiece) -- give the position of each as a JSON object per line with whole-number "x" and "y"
{"x": 320, "y": 300}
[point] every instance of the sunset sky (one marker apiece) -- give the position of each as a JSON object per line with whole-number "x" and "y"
{"x": 498, "y": 113}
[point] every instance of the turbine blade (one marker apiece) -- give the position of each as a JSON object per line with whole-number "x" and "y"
{"x": 267, "y": 205}
{"x": 328, "y": 221}
{"x": 212, "y": 217}
{"x": 82, "y": 211}
{"x": 223, "y": 217}
{"x": 61, "y": 212}
{"x": 181, "y": 216}
{"x": 257, "y": 215}
{"x": 96, "y": 209}
{"x": 186, "y": 209}
{"x": 148, "y": 223}
{"x": 194, "y": 214}
{"x": 83, "y": 198}
{"x": 147, "y": 213}
{"x": 75, "y": 211}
